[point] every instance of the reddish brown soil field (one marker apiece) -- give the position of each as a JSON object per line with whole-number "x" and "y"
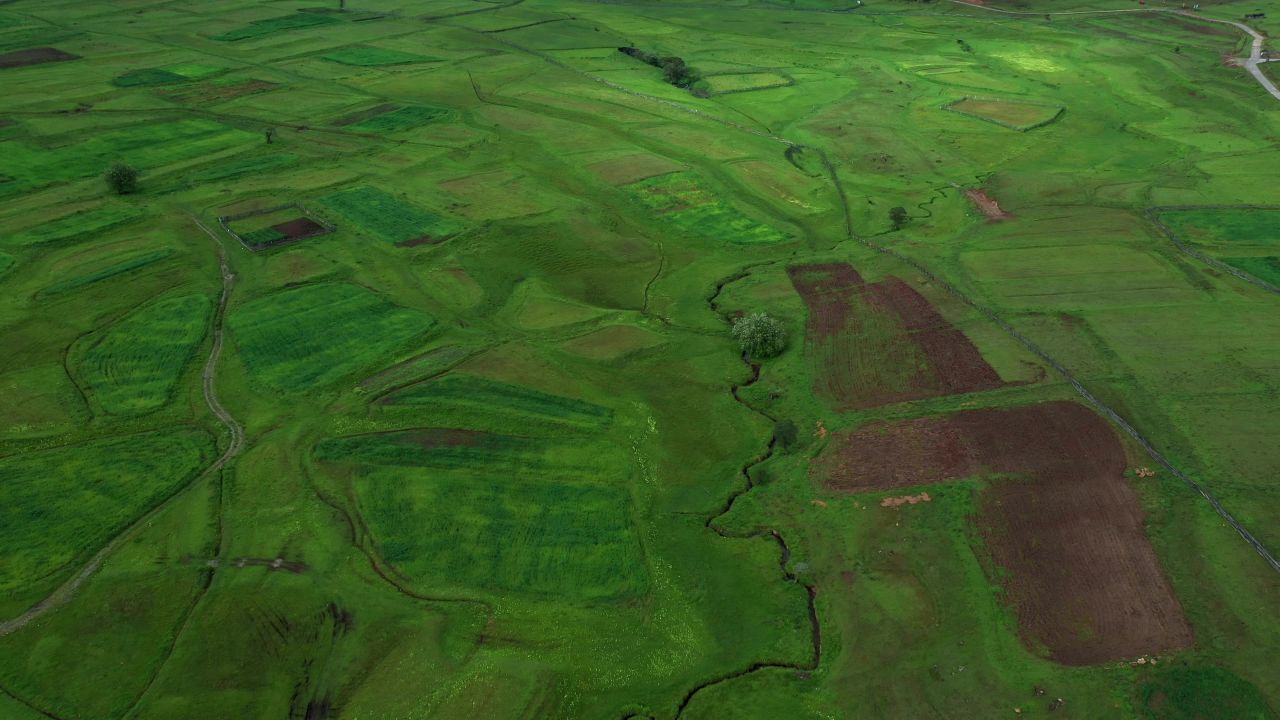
{"x": 298, "y": 228}
{"x": 34, "y": 56}
{"x": 987, "y": 205}
{"x": 1068, "y": 532}
{"x": 879, "y": 343}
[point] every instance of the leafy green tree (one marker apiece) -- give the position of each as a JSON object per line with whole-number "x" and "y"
{"x": 898, "y": 216}
{"x": 122, "y": 178}
{"x": 759, "y": 335}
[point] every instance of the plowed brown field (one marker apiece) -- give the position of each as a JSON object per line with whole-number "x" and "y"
{"x": 1080, "y": 573}
{"x": 879, "y": 343}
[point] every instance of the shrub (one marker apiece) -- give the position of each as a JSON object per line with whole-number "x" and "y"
{"x": 759, "y": 335}
{"x": 122, "y": 179}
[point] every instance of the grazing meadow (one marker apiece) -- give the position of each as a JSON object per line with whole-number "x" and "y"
{"x": 403, "y": 386}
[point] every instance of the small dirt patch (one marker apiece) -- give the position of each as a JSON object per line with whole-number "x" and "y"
{"x": 1067, "y": 531}
{"x": 905, "y": 500}
{"x": 987, "y": 205}
{"x": 34, "y": 56}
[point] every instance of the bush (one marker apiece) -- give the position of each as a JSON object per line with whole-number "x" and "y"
{"x": 759, "y": 335}
{"x": 122, "y": 179}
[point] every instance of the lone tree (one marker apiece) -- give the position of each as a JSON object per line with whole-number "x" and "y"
{"x": 122, "y": 179}
{"x": 898, "y": 216}
{"x": 759, "y": 335}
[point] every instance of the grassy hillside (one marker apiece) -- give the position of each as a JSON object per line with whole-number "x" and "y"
{"x": 459, "y": 429}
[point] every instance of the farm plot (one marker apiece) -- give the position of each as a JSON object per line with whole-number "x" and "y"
{"x": 468, "y": 399}
{"x": 1247, "y": 239}
{"x": 1017, "y": 115}
{"x": 389, "y": 218}
{"x": 168, "y": 75}
{"x": 34, "y": 56}
{"x": 723, "y": 83}
{"x": 549, "y": 539}
{"x": 282, "y": 23}
{"x": 58, "y": 506}
{"x": 682, "y": 201}
{"x": 262, "y": 229}
{"x": 392, "y": 118}
{"x": 216, "y": 91}
{"x": 39, "y": 400}
{"x": 76, "y": 225}
{"x": 129, "y": 264}
{"x": 612, "y": 342}
{"x": 1066, "y": 535}
{"x": 146, "y": 146}
{"x": 368, "y": 56}
{"x": 311, "y": 336}
{"x": 252, "y": 164}
{"x": 468, "y": 450}
{"x": 879, "y": 343}
{"x": 136, "y": 363}
{"x": 429, "y": 363}
{"x": 459, "y": 508}
{"x": 633, "y": 168}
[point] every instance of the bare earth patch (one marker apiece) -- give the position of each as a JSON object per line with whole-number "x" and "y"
{"x": 987, "y": 205}
{"x": 905, "y": 500}
{"x": 1066, "y": 531}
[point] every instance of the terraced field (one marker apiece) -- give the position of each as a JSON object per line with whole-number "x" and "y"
{"x": 407, "y": 380}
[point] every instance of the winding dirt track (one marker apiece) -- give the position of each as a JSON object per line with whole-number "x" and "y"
{"x": 209, "y": 379}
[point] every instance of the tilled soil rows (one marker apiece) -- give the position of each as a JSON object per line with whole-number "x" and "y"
{"x": 880, "y": 343}
{"x": 1067, "y": 533}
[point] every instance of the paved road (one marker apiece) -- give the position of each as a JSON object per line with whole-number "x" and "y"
{"x": 1255, "y": 54}
{"x": 65, "y": 591}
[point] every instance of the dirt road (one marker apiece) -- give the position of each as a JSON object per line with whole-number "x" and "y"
{"x": 209, "y": 376}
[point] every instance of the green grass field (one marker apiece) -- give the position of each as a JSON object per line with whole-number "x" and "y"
{"x": 386, "y": 217}
{"x": 458, "y": 429}
{"x": 311, "y": 336}
{"x": 135, "y": 365}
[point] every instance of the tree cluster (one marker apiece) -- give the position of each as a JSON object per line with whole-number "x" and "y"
{"x": 122, "y": 179}
{"x": 760, "y": 336}
{"x": 674, "y": 70}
